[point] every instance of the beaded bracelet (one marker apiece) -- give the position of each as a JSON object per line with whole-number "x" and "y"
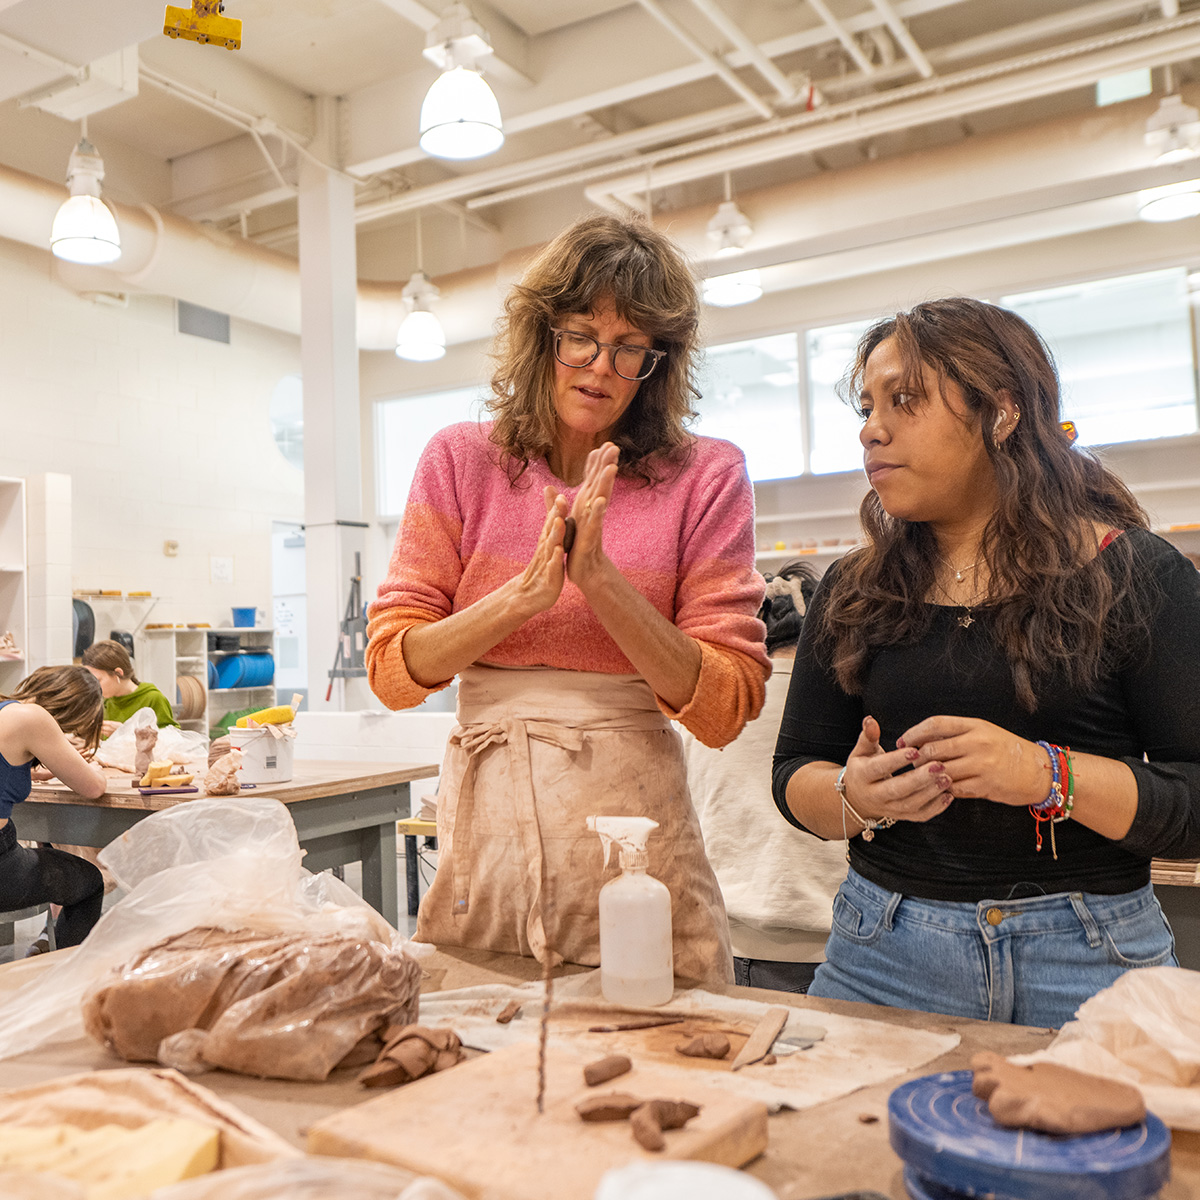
{"x": 1056, "y": 807}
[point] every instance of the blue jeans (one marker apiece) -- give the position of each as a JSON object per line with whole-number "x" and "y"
{"x": 1030, "y": 962}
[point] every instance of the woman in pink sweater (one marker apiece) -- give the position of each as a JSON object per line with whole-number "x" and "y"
{"x": 586, "y": 568}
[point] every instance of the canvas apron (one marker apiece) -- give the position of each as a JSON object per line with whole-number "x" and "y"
{"x": 534, "y": 754}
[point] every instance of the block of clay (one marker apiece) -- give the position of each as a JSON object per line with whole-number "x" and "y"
{"x": 1053, "y": 1098}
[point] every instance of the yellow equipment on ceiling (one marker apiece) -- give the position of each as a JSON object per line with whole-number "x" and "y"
{"x": 203, "y": 23}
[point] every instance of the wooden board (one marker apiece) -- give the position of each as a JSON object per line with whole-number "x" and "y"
{"x": 477, "y": 1127}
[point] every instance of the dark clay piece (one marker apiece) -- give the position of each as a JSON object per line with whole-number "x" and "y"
{"x": 707, "y": 1045}
{"x": 616, "y": 1106}
{"x": 647, "y": 1132}
{"x": 568, "y": 534}
{"x": 672, "y": 1114}
{"x": 605, "y": 1069}
{"x": 507, "y": 1013}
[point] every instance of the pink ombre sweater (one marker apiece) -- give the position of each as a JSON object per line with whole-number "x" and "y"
{"x": 686, "y": 544}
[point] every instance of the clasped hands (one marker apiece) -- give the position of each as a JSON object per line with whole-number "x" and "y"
{"x": 541, "y": 583}
{"x": 949, "y": 757}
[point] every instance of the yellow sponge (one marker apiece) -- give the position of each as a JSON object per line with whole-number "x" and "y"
{"x": 281, "y": 714}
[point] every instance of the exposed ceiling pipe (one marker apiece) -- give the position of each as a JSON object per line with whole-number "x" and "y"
{"x": 39, "y": 56}
{"x": 719, "y": 67}
{"x": 734, "y": 32}
{"x": 517, "y": 178}
{"x": 843, "y": 35}
{"x": 900, "y": 32}
{"x": 1046, "y": 73}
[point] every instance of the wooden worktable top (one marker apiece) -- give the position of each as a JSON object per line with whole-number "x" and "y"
{"x": 310, "y": 780}
{"x": 815, "y": 1153}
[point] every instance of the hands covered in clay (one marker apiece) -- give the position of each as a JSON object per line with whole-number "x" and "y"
{"x": 949, "y": 757}
{"x": 580, "y": 554}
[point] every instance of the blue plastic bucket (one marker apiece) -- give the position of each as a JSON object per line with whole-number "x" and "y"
{"x": 243, "y": 618}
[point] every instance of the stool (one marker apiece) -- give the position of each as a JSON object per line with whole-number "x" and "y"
{"x": 9, "y": 919}
{"x": 412, "y": 828}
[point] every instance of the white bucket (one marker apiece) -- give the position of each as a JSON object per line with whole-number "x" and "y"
{"x": 265, "y": 758}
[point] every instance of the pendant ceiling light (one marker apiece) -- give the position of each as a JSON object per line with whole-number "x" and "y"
{"x": 726, "y": 291}
{"x": 729, "y": 228}
{"x": 460, "y": 117}
{"x": 84, "y": 229}
{"x": 1173, "y": 131}
{"x": 420, "y": 337}
{"x": 1175, "y": 202}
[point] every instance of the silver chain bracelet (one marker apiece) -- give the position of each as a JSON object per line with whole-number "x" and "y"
{"x": 868, "y": 824}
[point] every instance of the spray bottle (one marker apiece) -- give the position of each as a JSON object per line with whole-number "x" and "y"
{"x": 636, "y": 964}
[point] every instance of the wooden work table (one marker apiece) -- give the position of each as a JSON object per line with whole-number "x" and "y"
{"x": 819, "y": 1152}
{"x": 344, "y": 812}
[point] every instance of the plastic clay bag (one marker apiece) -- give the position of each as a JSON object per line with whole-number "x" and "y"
{"x": 1145, "y": 1030}
{"x": 280, "y": 1006}
{"x": 183, "y": 746}
{"x": 311, "y": 1179}
{"x": 119, "y": 749}
{"x": 231, "y": 863}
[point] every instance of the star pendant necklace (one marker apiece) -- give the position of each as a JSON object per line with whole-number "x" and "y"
{"x": 965, "y": 620}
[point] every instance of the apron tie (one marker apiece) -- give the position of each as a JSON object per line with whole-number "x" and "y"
{"x": 473, "y": 740}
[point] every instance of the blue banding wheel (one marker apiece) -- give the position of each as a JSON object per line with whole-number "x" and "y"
{"x": 953, "y": 1148}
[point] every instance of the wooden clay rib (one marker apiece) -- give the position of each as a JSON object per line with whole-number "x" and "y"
{"x": 759, "y": 1044}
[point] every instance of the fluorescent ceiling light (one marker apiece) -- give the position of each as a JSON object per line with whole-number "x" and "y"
{"x": 1128, "y": 86}
{"x": 726, "y": 291}
{"x": 84, "y": 229}
{"x": 1175, "y": 202}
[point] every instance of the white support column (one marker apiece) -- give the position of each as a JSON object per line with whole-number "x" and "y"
{"x": 329, "y": 364}
{"x": 48, "y": 571}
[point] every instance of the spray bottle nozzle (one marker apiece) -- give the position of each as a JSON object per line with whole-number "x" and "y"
{"x": 630, "y": 833}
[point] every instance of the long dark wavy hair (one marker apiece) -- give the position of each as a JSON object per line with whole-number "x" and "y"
{"x": 641, "y": 270}
{"x": 1054, "y": 605}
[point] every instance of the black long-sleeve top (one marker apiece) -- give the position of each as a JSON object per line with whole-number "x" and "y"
{"x": 979, "y": 849}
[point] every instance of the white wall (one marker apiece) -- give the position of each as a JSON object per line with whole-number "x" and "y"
{"x": 165, "y": 437}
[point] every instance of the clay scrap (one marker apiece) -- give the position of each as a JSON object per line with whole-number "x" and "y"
{"x": 605, "y": 1069}
{"x": 411, "y": 1051}
{"x": 507, "y": 1013}
{"x": 706, "y": 1045}
{"x": 615, "y": 1106}
{"x": 648, "y": 1119}
{"x": 1053, "y": 1098}
{"x": 652, "y": 1118}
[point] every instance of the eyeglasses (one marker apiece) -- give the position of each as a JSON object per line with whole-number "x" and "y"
{"x": 581, "y": 350}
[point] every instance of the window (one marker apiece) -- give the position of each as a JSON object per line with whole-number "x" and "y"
{"x": 750, "y": 395}
{"x": 403, "y": 428}
{"x": 835, "y": 425}
{"x": 1124, "y": 352}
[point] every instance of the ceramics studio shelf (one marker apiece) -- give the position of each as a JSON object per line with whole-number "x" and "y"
{"x": 163, "y": 655}
{"x": 14, "y": 602}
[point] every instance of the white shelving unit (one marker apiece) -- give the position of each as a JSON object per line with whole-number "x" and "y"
{"x": 165, "y": 654}
{"x": 14, "y": 590}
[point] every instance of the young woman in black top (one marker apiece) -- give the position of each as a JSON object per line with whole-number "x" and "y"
{"x": 997, "y": 700}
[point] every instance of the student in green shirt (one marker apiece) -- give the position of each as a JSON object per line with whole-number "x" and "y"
{"x": 123, "y": 694}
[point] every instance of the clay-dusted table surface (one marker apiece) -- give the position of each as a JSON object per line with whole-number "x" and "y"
{"x": 816, "y": 1153}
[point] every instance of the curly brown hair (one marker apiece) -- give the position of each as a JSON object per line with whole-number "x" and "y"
{"x": 647, "y": 279}
{"x": 72, "y": 696}
{"x": 1054, "y": 604}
